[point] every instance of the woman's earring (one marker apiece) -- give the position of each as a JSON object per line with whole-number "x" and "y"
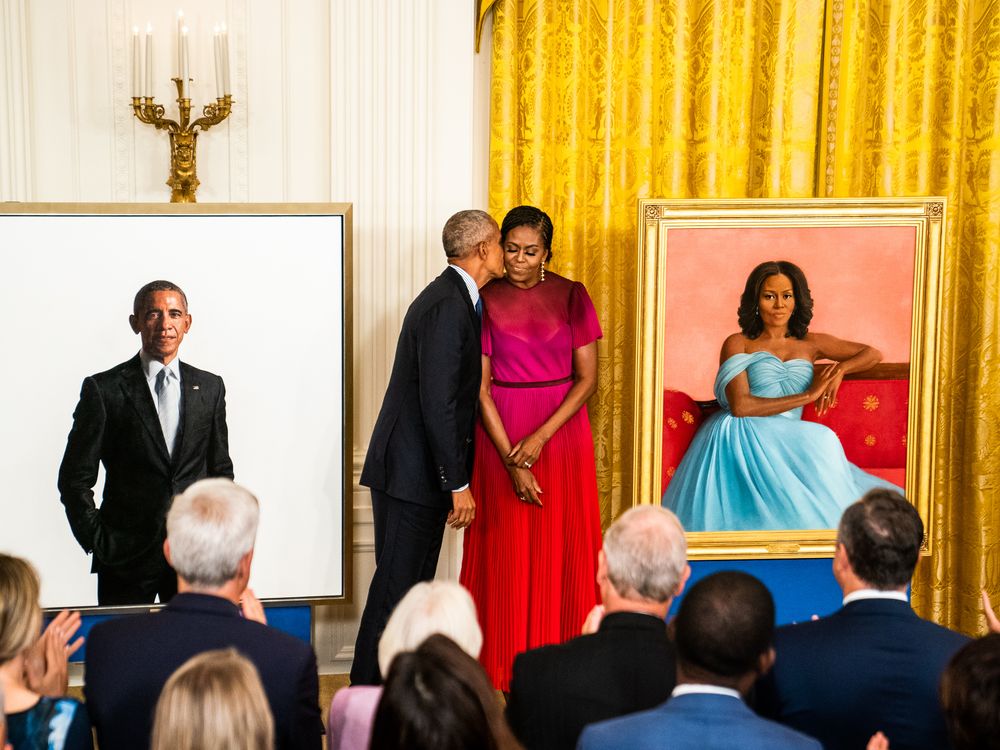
{"x": 756, "y": 311}
{"x": 542, "y": 277}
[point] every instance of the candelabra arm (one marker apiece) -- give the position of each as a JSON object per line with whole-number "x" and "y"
{"x": 214, "y": 113}
{"x": 147, "y": 111}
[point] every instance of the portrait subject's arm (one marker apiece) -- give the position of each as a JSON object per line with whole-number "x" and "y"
{"x": 218, "y": 461}
{"x": 78, "y": 471}
{"x": 849, "y": 356}
{"x": 439, "y": 372}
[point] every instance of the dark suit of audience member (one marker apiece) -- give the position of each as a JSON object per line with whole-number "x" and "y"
{"x": 873, "y": 665}
{"x": 210, "y": 532}
{"x": 628, "y": 664}
{"x": 723, "y": 638}
{"x": 117, "y": 423}
{"x": 420, "y": 455}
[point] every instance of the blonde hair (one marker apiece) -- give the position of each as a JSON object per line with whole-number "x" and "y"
{"x": 431, "y": 607}
{"x": 20, "y": 616}
{"x": 214, "y": 701}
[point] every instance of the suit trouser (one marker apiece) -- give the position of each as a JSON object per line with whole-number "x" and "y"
{"x": 407, "y": 544}
{"x": 139, "y": 585}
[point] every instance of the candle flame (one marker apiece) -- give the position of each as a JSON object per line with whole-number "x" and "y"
{"x": 222, "y": 28}
{"x": 149, "y": 28}
{"x": 184, "y": 30}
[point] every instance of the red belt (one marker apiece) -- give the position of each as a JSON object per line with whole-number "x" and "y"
{"x": 536, "y": 384}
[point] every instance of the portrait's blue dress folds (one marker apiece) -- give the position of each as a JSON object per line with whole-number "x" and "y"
{"x": 765, "y": 473}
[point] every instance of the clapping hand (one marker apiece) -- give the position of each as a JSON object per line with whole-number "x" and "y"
{"x": 992, "y": 621}
{"x": 46, "y": 669}
{"x": 878, "y": 742}
{"x": 251, "y": 607}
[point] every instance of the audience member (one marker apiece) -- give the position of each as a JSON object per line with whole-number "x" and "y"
{"x": 428, "y": 608}
{"x": 215, "y": 700}
{"x": 722, "y": 634}
{"x": 210, "y": 539}
{"x": 970, "y": 695}
{"x": 439, "y": 698}
{"x": 872, "y": 665}
{"x": 33, "y": 669}
{"x": 625, "y": 662}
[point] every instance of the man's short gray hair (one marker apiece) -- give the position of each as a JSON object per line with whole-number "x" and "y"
{"x": 210, "y": 527}
{"x": 646, "y": 554}
{"x": 430, "y": 607}
{"x": 466, "y": 229}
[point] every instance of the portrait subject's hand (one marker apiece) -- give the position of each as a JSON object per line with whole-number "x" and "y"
{"x": 526, "y": 452}
{"x": 526, "y": 487}
{"x": 46, "y": 669}
{"x": 252, "y": 608}
{"x": 992, "y": 621}
{"x": 829, "y": 396}
{"x": 821, "y": 381}
{"x": 463, "y": 509}
{"x": 878, "y": 742}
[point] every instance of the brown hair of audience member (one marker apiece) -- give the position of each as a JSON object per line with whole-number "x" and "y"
{"x": 439, "y": 698}
{"x": 20, "y": 617}
{"x": 970, "y": 695}
{"x": 214, "y": 700}
{"x": 724, "y": 629}
{"x": 882, "y": 534}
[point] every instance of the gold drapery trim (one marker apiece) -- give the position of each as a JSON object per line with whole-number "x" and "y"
{"x": 597, "y": 104}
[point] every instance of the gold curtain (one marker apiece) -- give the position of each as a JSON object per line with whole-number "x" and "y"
{"x": 597, "y": 103}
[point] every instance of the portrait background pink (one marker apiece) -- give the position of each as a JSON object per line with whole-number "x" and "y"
{"x": 861, "y": 279}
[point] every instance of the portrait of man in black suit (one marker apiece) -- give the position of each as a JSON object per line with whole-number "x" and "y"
{"x": 158, "y": 425}
{"x": 420, "y": 455}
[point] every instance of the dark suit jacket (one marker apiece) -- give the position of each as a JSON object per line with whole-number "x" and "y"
{"x": 626, "y": 666}
{"x": 130, "y": 658}
{"x": 421, "y": 447}
{"x": 695, "y": 722}
{"x": 116, "y": 423}
{"x": 871, "y": 666}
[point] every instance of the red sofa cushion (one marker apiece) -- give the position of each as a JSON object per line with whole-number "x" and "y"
{"x": 681, "y": 419}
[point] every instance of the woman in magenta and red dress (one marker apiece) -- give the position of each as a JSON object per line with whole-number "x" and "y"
{"x": 530, "y": 556}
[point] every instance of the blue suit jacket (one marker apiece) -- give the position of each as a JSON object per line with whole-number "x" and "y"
{"x": 871, "y": 666}
{"x": 130, "y": 658}
{"x": 698, "y": 721}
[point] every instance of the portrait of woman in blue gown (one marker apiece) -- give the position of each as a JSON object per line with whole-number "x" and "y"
{"x": 754, "y": 464}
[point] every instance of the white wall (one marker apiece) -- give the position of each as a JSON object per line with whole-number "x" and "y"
{"x": 380, "y": 103}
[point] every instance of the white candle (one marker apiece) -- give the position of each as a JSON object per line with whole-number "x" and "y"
{"x": 226, "y": 88}
{"x": 136, "y": 70}
{"x": 149, "y": 59}
{"x": 185, "y": 93}
{"x": 180, "y": 25}
{"x": 217, "y": 44}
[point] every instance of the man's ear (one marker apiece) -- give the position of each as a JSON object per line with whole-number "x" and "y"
{"x": 602, "y": 568}
{"x": 134, "y": 323}
{"x": 765, "y": 661}
{"x": 684, "y": 579}
{"x": 166, "y": 552}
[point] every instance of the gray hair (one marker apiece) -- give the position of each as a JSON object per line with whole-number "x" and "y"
{"x": 430, "y": 607}
{"x": 466, "y": 229}
{"x": 646, "y": 553}
{"x": 210, "y": 527}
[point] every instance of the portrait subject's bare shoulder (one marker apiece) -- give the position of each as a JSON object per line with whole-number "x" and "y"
{"x": 735, "y": 343}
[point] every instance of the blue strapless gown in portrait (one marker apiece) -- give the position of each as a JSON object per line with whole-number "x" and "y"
{"x": 765, "y": 473}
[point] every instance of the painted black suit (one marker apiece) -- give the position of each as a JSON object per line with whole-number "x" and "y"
{"x": 115, "y": 423}
{"x": 421, "y": 450}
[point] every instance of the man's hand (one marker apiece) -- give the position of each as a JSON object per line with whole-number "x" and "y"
{"x": 463, "y": 509}
{"x": 45, "y": 664}
{"x": 593, "y": 622}
{"x": 252, "y": 608}
{"x": 992, "y": 621}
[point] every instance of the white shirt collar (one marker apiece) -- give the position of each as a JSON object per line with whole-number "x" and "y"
{"x": 693, "y": 688}
{"x": 860, "y": 594}
{"x": 470, "y": 283}
{"x": 151, "y": 367}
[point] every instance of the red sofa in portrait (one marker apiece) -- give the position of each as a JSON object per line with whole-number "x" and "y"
{"x": 869, "y": 416}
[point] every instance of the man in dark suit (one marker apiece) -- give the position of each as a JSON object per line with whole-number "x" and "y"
{"x": 873, "y": 665}
{"x": 210, "y": 536}
{"x": 722, "y": 633}
{"x": 158, "y": 425}
{"x": 624, "y": 662}
{"x": 420, "y": 455}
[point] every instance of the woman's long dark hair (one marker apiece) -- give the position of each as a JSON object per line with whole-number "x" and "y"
{"x": 749, "y": 314}
{"x": 529, "y": 216}
{"x": 439, "y": 698}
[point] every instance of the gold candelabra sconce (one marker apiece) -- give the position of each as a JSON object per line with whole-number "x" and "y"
{"x": 183, "y": 180}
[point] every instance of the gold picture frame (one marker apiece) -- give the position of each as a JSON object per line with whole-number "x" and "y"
{"x": 662, "y": 222}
